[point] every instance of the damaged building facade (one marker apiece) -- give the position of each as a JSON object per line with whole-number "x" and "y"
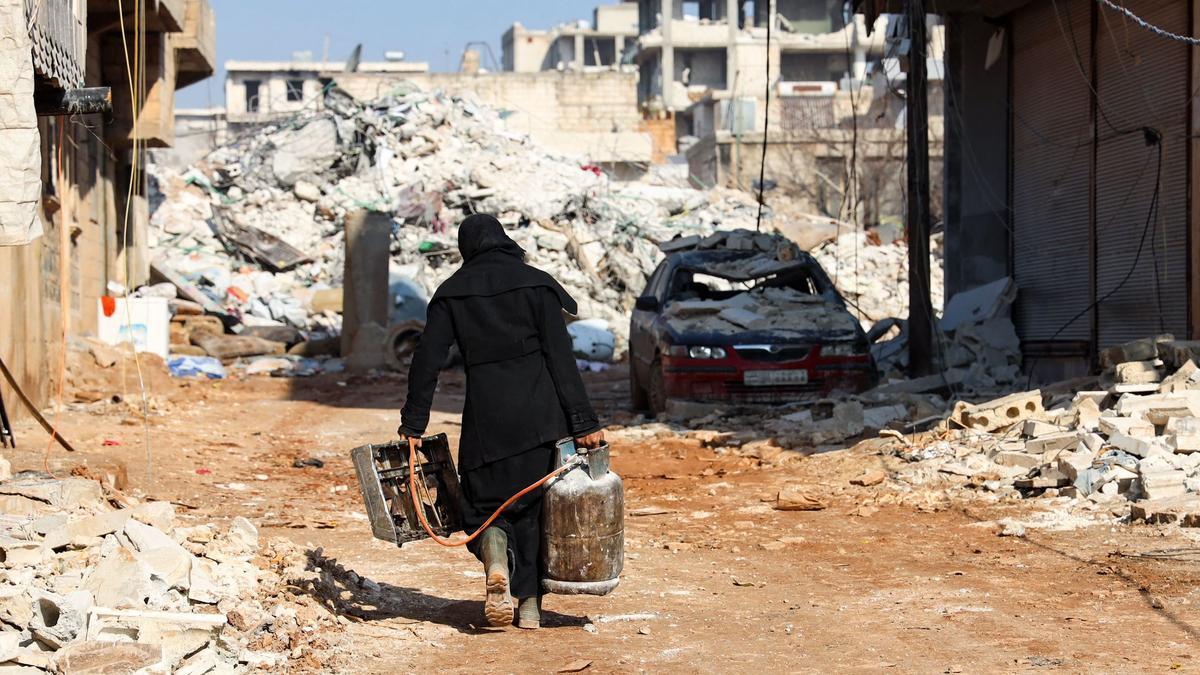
{"x": 1070, "y": 167}
{"x": 834, "y": 85}
{"x": 73, "y": 203}
{"x": 607, "y": 42}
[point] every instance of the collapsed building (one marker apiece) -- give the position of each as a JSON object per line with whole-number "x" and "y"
{"x": 255, "y": 231}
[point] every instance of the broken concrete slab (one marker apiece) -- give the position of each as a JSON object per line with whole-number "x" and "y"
{"x": 1145, "y": 349}
{"x": 1185, "y": 378}
{"x": 59, "y": 619}
{"x": 1059, "y": 440}
{"x": 178, "y": 634}
{"x": 21, "y": 552}
{"x": 795, "y": 498}
{"x": 65, "y": 494}
{"x": 87, "y": 528}
{"x": 1127, "y": 426}
{"x": 121, "y": 580}
{"x": 107, "y": 658}
{"x": 1183, "y": 510}
{"x": 1137, "y": 372}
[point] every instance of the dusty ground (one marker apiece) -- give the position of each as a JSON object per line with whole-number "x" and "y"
{"x": 719, "y": 582}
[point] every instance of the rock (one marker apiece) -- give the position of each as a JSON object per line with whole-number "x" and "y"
{"x": 306, "y": 191}
{"x": 1145, "y": 349}
{"x": 178, "y": 634}
{"x": 1128, "y": 426}
{"x": 121, "y": 580}
{"x": 201, "y": 662}
{"x": 1136, "y": 372}
{"x": 21, "y": 552}
{"x": 10, "y": 643}
{"x": 65, "y": 494}
{"x": 1186, "y": 378}
{"x": 1182, "y": 509}
{"x": 5, "y": 469}
{"x": 86, "y": 528}
{"x": 1052, "y": 442}
{"x": 793, "y": 498}
{"x": 1023, "y": 460}
{"x": 159, "y": 515}
{"x": 243, "y": 533}
{"x": 105, "y": 658}
{"x": 58, "y": 619}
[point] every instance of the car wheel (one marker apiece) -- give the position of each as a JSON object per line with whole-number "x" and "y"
{"x": 638, "y": 401}
{"x": 657, "y": 389}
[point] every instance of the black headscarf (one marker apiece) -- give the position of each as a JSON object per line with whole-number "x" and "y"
{"x": 493, "y": 263}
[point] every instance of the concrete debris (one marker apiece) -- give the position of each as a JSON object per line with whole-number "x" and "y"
{"x": 85, "y": 588}
{"x": 1102, "y": 451}
{"x": 979, "y": 347}
{"x": 873, "y": 277}
{"x": 427, "y": 159}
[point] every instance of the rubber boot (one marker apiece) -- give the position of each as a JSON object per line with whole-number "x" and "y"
{"x": 529, "y": 613}
{"x": 498, "y": 606}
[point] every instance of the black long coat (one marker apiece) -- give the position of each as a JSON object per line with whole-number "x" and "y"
{"x": 523, "y": 388}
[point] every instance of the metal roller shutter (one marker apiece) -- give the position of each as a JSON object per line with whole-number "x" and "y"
{"x": 1052, "y": 149}
{"x": 1142, "y": 81}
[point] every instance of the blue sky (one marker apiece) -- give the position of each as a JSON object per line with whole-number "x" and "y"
{"x": 433, "y": 31}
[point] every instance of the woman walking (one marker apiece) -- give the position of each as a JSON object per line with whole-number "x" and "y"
{"x": 524, "y": 394}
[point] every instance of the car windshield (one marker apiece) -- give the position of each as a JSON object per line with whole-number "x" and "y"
{"x": 697, "y": 284}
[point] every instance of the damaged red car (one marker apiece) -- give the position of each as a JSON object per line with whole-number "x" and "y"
{"x": 743, "y": 326}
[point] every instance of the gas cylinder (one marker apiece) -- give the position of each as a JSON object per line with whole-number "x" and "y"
{"x": 583, "y": 525}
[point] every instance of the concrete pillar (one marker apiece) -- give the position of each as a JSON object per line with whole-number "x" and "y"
{"x": 732, "y": 9}
{"x": 365, "y": 290}
{"x": 577, "y": 64}
{"x": 618, "y": 51}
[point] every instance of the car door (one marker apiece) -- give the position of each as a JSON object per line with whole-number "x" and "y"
{"x": 641, "y": 323}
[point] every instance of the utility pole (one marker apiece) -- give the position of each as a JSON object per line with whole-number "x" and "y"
{"x": 920, "y": 310}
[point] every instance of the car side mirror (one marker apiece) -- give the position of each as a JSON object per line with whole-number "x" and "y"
{"x": 647, "y": 303}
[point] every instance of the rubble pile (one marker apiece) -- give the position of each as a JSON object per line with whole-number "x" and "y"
{"x": 873, "y": 276}
{"x": 92, "y": 580}
{"x": 1129, "y": 446}
{"x": 256, "y": 229}
{"x": 977, "y": 344}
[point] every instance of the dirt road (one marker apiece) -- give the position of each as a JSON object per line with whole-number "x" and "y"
{"x": 716, "y": 579}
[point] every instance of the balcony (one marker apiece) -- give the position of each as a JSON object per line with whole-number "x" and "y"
{"x": 196, "y": 45}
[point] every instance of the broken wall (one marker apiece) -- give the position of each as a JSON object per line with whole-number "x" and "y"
{"x": 590, "y": 114}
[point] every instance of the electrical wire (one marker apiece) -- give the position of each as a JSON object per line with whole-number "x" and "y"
{"x": 135, "y": 73}
{"x": 420, "y": 508}
{"x": 1153, "y": 137}
{"x": 1161, "y": 32}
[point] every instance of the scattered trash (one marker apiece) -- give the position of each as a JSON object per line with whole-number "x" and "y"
{"x": 195, "y": 366}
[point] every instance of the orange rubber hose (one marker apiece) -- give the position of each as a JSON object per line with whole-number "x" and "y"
{"x": 420, "y": 508}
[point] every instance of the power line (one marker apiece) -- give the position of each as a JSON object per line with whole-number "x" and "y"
{"x": 1162, "y": 32}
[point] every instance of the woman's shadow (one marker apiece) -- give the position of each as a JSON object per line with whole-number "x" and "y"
{"x": 345, "y": 593}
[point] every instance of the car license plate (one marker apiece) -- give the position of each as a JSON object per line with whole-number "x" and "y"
{"x": 766, "y": 378}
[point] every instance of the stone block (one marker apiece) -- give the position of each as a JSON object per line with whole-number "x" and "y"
{"x": 1003, "y": 412}
{"x": 160, "y": 515}
{"x": 105, "y": 658}
{"x": 167, "y": 559}
{"x": 21, "y": 552}
{"x": 86, "y": 528}
{"x": 121, "y": 580}
{"x": 1145, "y": 349}
{"x": 1182, "y": 509}
{"x": 1186, "y": 378}
{"x": 65, "y": 494}
{"x": 1137, "y": 372}
{"x": 1023, "y": 460}
{"x": 1128, "y": 426}
{"x": 1060, "y": 440}
{"x": 1087, "y": 415}
{"x": 59, "y": 619}
{"x": 1072, "y": 464}
{"x": 1139, "y": 446}
{"x": 1036, "y": 428}
{"x": 177, "y": 633}
{"x": 1158, "y": 484}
